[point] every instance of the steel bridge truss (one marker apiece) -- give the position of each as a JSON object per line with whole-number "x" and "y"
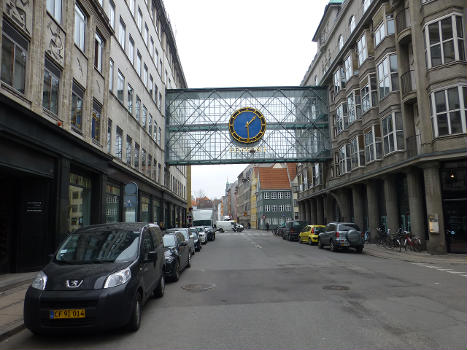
{"x": 197, "y": 130}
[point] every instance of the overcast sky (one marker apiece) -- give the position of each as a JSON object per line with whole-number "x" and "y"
{"x": 232, "y": 43}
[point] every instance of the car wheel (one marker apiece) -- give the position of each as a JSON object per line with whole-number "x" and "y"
{"x": 135, "y": 320}
{"x": 188, "y": 263}
{"x": 320, "y": 244}
{"x": 159, "y": 291}
{"x": 176, "y": 275}
{"x": 360, "y": 250}
{"x": 332, "y": 246}
{"x": 310, "y": 242}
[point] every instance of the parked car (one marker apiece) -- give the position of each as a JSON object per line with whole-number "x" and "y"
{"x": 279, "y": 230}
{"x": 292, "y": 229}
{"x": 210, "y": 232}
{"x": 196, "y": 238}
{"x": 186, "y": 233}
{"x": 99, "y": 278}
{"x": 177, "y": 255}
{"x": 201, "y": 235}
{"x": 310, "y": 234}
{"x": 340, "y": 235}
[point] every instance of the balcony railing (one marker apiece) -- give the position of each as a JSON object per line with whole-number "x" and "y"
{"x": 408, "y": 82}
{"x": 403, "y": 20}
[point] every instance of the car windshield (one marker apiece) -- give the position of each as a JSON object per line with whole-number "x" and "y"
{"x": 98, "y": 246}
{"x": 169, "y": 241}
{"x": 299, "y": 223}
{"x": 319, "y": 230}
{"x": 348, "y": 227}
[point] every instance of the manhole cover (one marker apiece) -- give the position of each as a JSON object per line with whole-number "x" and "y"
{"x": 198, "y": 287}
{"x": 336, "y": 288}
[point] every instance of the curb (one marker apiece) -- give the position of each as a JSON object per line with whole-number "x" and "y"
{"x": 16, "y": 327}
{"x": 416, "y": 259}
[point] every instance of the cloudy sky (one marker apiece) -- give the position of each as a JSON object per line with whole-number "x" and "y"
{"x": 231, "y": 43}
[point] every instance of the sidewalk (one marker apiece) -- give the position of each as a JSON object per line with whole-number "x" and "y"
{"x": 410, "y": 256}
{"x": 12, "y": 290}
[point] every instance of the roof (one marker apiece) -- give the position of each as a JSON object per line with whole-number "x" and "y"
{"x": 292, "y": 167}
{"x": 273, "y": 179}
{"x": 331, "y": 3}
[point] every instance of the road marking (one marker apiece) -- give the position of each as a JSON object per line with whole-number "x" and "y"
{"x": 442, "y": 269}
{"x": 455, "y": 272}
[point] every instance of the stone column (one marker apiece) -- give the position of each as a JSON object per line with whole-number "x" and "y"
{"x": 319, "y": 211}
{"x": 415, "y": 192}
{"x": 313, "y": 217}
{"x": 392, "y": 208}
{"x": 307, "y": 210}
{"x": 373, "y": 211}
{"x": 301, "y": 210}
{"x": 328, "y": 208}
{"x": 344, "y": 205}
{"x": 434, "y": 209}
{"x": 358, "y": 205}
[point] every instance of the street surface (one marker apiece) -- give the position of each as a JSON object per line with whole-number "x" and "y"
{"x": 251, "y": 290}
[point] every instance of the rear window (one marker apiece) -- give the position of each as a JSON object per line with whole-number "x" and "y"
{"x": 348, "y": 227}
{"x": 319, "y": 229}
{"x": 299, "y": 224}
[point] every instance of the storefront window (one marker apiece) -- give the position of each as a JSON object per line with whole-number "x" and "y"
{"x": 156, "y": 210}
{"x": 79, "y": 192}
{"x": 145, "y": 214}
{"x": 112, "y": 203}
{"x": 130, "y": 202}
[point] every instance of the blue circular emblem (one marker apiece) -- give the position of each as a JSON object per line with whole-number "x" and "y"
{"x": 247, "y": 125}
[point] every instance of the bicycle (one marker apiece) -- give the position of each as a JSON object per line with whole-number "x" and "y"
{"x": 415, "y": 244}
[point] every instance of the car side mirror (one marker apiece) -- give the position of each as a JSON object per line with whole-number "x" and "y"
{"x": 152, "y": 255}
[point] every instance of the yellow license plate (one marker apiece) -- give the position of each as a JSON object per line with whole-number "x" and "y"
{"x": 67, "y": 313}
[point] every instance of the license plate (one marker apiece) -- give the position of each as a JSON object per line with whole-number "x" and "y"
{"x": 67, "y": 313}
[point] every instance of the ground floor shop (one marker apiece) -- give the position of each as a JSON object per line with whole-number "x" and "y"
{"x": 428, "y": 200}
{"x": 53, "y": 183}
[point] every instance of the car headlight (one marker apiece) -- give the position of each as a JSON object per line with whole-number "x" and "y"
{"x": 40, "y": 281}
{"x": 118, "y": 278}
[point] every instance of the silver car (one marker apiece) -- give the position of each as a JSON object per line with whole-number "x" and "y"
{"x": 203, "y": 238}
{"x": 341, "y": 235}
{"x": 186, "y": 233}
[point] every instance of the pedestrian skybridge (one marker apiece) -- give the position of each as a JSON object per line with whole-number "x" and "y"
{"x": 247, "y": 125}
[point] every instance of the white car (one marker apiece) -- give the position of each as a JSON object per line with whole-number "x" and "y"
{"x": 201, "y": 234}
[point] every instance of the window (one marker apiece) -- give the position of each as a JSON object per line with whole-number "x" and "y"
{"x": 393, "y": 133}
{"x": 131, "y": 49}
{"x": 287, "y": 195}
{"x": 342, "y": 121}
{"x": 112, "y": 14}
{"x": 444, "y": 41}
{"x": 150, "y": 124}
{"x": 267, "y": 207}
{"x": 362, "y": 50}
{"x": 159, "y": 104}
{"x": 357, "y": 152}
{"x": 139, "y": 20}
{"x": 344, "y": 159}
{"x": 273, "y": 195}
{"x": 130, "y": 99}
{"x": 80, "y": 27}
{"x": 160, "y": 135}
{"x": 274, "y": 208}
{"x": 145, "y": 116}
{"x": 131, "y": 5}
{"x": 111, "y": 75}
{"x": 96, "y": 121}
{"x": 50, "y": 92}
{"x": 109, "y": 136}
{"x": 146, "y": 34}
{"x": 352, "y": 24}
{"x": 339, "y": 80}
{"x": 54, "y": 7}
{"x": 129, "y": 150}
{"x": 118, "y": 143}
{"x": 340, "y": 42}
{"x": 316, "y": 176}
{"x": 151, "y": 84}
{"x": 150, "y": 174}
{"x": 280, "y": 195}
{"x": 353, "y": 106}
{"x": 348, "y": 67}
{"x": 98, "y": 52}
{"x": 120, "y": 86}
{"x": 145, "y": 76}
{"x": 385, "y": 28}
{"x": 368, "y": 93}
{"x": 77, "y": 94}
{"x": 14, "y": 58}
{"x": 448, "y": 110}
{"x": 288, "y": 207}
{"x": 138, "y": 108}
{"x": 388, "y": 79}
{"x": 143, "y": 160}
{"x": 366, "y": 4}
{"x": 156, "y": 93}
{"x": 372, "y": 138}
{"x": 266, "y": 195}
{"x": 380, "y": 33}
{"x": 154, "y": 136}
{"x": 138, "y": 63}
{"x": 136, "y": 156}
{"x": 151, "y": 47}
{"x": 122, "y": 34}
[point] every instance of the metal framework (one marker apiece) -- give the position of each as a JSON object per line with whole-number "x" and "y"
{"x": 197, "y": 125}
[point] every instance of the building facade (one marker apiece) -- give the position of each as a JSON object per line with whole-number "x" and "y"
{"x": 396, "y": 77}
{"x": 82, "y": 125}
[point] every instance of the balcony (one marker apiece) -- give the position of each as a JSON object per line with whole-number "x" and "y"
{"x": 403, "y": 26}
{"x": 408, "y": 86}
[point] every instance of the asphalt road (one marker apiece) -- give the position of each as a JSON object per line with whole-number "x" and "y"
{"x": 266, "y": 293}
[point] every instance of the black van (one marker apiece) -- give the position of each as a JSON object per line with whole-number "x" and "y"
{"x": 99, "y": 278}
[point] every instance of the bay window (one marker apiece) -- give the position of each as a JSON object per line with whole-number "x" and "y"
{"x": 368, "y": 92}
{"x": 372, "y": 138}
{"x": 341, "y": 117}
{"x": 444, "y": 40}
{"x": 354, "y": 106}
{"x": 348, "y": 67}
{"x": 388, "y": 79}
{"x": 357, "y": 152}
{"x": 339, "y": 82}
{"x": 385, "y": 28}
{"x": 362, "y": 50}
{"x": 393, "y": 133}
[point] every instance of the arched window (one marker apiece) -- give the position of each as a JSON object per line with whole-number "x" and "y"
{"x": 352, "y": 24}
{"x": 341, "y": 42}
